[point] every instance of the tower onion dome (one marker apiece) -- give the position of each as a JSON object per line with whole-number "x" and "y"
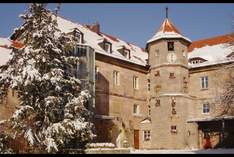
{"x": 167, "y": 31}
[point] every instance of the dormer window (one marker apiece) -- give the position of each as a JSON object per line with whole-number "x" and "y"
{"x": 196, "y": 60}
{"x": 107, "y": 46}
{"x": 125, "y": 52}
{"x": 77, "y": 36}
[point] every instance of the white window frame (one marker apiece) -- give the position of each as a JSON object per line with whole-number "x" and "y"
{"x": 146, "y": 135}
{"x": 137, "y": 107}
{"x": 116, "y": 80}
{"x": 135, "y": 82}
{"x": 206, "y": 108}
{"x": 107, "y": 47}
{"x": 204, "y": 82}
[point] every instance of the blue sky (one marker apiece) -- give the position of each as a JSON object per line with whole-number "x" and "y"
{"x": 136, "y": 23}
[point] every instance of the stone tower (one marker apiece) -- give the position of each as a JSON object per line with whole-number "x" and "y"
{"x": 169, "y": 77}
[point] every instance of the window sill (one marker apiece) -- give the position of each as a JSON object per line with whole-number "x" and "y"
{"x": 204, "y": 89}
{"x": 137, "y": 115}
{"x": 146, "y": 140}
{"x": 207, "y": 113}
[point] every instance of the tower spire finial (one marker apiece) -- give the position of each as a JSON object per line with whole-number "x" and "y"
{"x": 166, "y": 12}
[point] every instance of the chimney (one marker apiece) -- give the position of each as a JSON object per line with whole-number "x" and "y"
{"x": 96, "y": 27}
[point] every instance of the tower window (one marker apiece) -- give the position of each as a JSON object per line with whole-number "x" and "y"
{"x": 173, "y": 129}
{"x": 148, "y": 84}
{"x": 149, "y": 109}
{"x": 157, "y": 102}
{"x": 172, "y": 75}
{"x": 173, "y": 111}
{"x": 157, "y": 73}
{"x": 157, "y": 52}
{"x": 170, "y": 46}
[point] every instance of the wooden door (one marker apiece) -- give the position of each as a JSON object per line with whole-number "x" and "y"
{"x": 136, "y": 139}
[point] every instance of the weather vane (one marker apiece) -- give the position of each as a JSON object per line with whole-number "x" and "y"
{"x": 166, "y": 12}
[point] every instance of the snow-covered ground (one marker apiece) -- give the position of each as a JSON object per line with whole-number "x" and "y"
{"x": 210, "y": 151}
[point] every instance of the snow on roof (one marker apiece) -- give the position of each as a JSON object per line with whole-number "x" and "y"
{"x": 214, "y": 50}
{"x": 138, "y": 56}
{"x": 5, "y": 42}
{"x": 167, "y": 30}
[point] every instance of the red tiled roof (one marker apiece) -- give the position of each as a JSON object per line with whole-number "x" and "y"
{"x": 111, "y": 37}
{"x": 211, "y": 41}
{"x": 167, "y": 26}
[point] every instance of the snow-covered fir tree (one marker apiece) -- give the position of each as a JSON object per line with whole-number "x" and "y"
{"x": 53, "y": 112}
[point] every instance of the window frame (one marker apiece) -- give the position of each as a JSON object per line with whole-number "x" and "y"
{"x": 116, "y": 78}
{"x": 137, "y": 107}
{"x": 169, "y": 43}
{"x": 174, "y": 129}
{"x": 109, "y": 45}
{"x": 204, "y": 82}
{"x": 135, "y": 82}
{"x": 205, "y": 108}
{"x": 146, "y": 135}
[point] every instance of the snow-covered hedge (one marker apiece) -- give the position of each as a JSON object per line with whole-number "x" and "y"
{"x": 100, "y": 145}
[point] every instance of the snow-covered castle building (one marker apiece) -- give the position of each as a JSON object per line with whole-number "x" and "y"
{"x": 164, "y": 96}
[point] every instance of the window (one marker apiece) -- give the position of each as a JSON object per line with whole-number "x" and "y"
{"x": 135, "y": 82}
{"x": 157, "y": 52}
{"x": 96, "y": 72}
{"x": 149, "y": 110}
{"x": 157, "y": 102}
{"x": 148, "y": 84}
{"x": 136, "y": 109}
{"x": 170, "y": 46}
{"x": 184, "y": 53}
{"x": 204, "y": 82}
{"x": 173, "y": 111}
{"x": 77, "y": 35}
{"x": 157, "y": 73}
{"x": 107, "y": 47}
{"x": 206, "y": 108}
{"x": 126, "y": 53}
{"x": 116, "y": 78}
{"x": 173, "y": 129}
{"x": 146, "y": 135}
{"x": 172, "y": 75}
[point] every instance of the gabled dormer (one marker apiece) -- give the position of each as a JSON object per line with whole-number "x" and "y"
{"x": 106, "y": 45}
{"x": 125, "y": 52}
{"x": 77, "y": 35}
